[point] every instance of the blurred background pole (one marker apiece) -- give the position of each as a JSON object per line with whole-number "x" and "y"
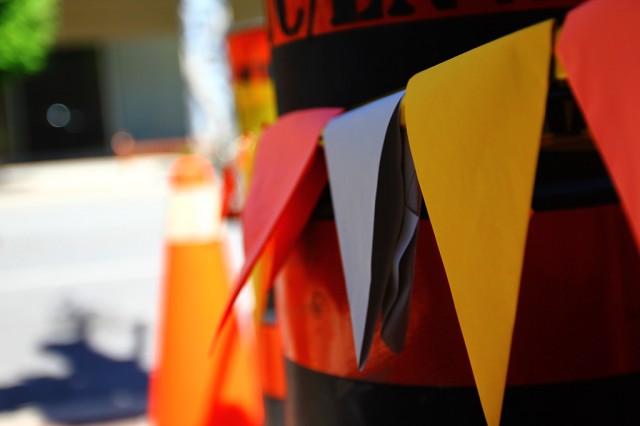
{"x": 203, "y": 59}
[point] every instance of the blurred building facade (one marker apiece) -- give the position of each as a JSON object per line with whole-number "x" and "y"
{"x": 114, "y": 67}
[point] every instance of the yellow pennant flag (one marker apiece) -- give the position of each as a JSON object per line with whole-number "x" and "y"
{"x": 474, "y": 125}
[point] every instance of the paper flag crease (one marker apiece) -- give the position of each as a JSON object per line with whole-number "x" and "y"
{"x": 288, "y": 177}
{"x": 364, "y": 159}
{"x": 395, "y": 305}
{"x": 599, "y": 47}
{"x": 474, "y": 125}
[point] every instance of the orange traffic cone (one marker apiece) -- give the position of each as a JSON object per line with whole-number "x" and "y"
{"x": 188, "y": 387}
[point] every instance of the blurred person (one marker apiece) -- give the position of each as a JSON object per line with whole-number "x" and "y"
{"x": 203, "y": 60}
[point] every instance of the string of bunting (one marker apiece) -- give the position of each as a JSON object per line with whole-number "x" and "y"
{"x": 474, "y": 126}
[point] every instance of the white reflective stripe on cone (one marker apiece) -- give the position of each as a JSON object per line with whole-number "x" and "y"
{"x": 194, "y": 214}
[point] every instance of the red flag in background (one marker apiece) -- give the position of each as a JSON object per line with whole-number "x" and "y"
{"x": 289, "y": 176}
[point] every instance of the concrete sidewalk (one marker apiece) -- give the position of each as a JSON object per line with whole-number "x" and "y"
{"x": 31, "y": 417}
{"x": 82, "y": 233}
{"x": 49, "y": 180}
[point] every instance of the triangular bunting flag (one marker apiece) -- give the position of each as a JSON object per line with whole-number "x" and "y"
{"x": 354, "y": 146}
{"x": 600, "y": 50}
{"x": 288, "y": 177}
{"x": 474, "y": 125}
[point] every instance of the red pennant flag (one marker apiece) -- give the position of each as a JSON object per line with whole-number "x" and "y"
{"x": 600, "y": 49}
{"x": 288, "y": 177}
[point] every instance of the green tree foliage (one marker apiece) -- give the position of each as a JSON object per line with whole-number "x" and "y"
{"x": 27, "y": 31}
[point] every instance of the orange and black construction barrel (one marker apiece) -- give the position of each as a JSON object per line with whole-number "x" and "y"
{"x": 347, "y": 52}
{"x": 272, "y": 367}
{"x": 575, "y": 353}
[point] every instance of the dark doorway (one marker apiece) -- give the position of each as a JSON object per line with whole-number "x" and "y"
{"x": 63, "y": 112}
